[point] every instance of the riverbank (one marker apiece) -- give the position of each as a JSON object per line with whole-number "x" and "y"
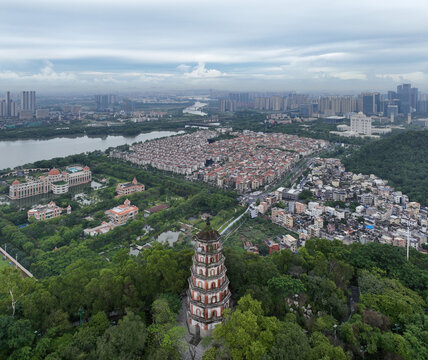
{"x": 94, "y": 130}
{"x": 20, "y": 152}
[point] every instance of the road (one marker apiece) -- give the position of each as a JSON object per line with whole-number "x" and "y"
{"x": 291, "y": 177}
{"x": 225, "y": 230}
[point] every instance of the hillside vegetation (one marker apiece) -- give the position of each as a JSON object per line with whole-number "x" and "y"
{"x": 402, "y": 159}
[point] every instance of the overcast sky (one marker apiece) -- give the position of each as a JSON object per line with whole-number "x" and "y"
{"x": 331, "y": 46}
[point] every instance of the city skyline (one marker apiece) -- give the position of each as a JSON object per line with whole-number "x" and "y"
{"x": 342, "y": 47}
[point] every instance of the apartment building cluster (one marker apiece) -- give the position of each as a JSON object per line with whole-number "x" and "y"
{"x": 252, "y": 160}
{"x": 24, "y": 107}
{"x": 244, "y": 163}
{"x": 46, "y": 212}
{"x": 182, "y": 154}
{"x": 353, "y": 208}
{"x": 402, "y": 102}
{"x": 55, "y": 181}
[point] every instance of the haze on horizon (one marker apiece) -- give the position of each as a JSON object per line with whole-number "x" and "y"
{"x": 322, "y": 46}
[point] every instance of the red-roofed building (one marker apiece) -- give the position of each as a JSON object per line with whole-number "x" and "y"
{"x": 129, "y": 188}
{"x": 46, "y": 212}
{"x": 55, "y": 181}
{"x": 155, "y": 209}
{"x": 120, "y": 215}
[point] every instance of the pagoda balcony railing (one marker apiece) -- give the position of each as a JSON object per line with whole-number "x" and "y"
{"x": 207, "y": 291}
{"x": 209, "y": 252}
{"x": 211, "y": 264}
{"x": 201, "y": 239}
{"x": 208, "y": 305}
{"x": 210, "y": 277}
{"x": 206, "y": 321}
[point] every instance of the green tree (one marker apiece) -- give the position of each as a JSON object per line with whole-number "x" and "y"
{"x": 246, "y": 333}
{"x": 321, "y": 348}
{"x": 124, "y": 341}
{"x": 290, "y": 343}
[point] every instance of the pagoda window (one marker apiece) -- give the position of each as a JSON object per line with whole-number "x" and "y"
{"x": 198, "y": 312}
{"x": 200, "y": 284}
{"x": 214, "y": 313}
{"x": 212, "y": 272}
{"x": 213, "y": 285}
{"x": 214, "y": 299}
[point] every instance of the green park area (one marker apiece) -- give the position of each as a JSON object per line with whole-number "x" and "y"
{"x": 48, "y": 247}
{"x": 93, "y": 300}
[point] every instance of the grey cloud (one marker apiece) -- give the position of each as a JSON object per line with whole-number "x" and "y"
{"x": 229, "y": 44}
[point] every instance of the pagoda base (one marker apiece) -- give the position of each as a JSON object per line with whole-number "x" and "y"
{"x": 199, "y": 328}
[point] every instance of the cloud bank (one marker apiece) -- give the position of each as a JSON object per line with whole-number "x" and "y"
{"x": 335, "y": 46}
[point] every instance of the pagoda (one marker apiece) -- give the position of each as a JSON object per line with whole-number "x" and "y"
{"x": 208, "y": 293}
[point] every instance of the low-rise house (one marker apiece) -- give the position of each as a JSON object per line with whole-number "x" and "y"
{"x": 155, "y": 209}
{"x": 104, "y": 228}
{"x": 46, "y": 212}
{"x": 129, "y": 188}
{"x": 120, "y": 215}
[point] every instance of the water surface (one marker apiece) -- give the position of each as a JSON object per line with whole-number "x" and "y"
{"x": 19, "y": 152}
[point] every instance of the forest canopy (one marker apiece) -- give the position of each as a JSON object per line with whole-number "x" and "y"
{"x": 401, "y": 158}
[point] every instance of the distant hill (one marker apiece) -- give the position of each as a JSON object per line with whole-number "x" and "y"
{"x": 402, "y": 159}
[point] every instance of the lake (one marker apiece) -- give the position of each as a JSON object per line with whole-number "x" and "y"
{"x": 19, "y": 152}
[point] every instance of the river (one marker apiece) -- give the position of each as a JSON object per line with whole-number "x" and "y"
{"x": 19, "y": 152}
{"x": 195, "y": 109}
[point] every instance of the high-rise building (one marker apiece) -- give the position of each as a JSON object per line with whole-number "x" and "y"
{"x": 349, "y": 104}
{"x": 262, "y": 103}
{"x": 392, "y": 95}
{"x": 392, "y": 110}
{"x": 335, "y": 102}
{"x": 414, "y": 98}
{"x": 305, "y": 110}
{"x": 28, "y": 100}
{"x": 324, "y": 105}
{"x": 370, "y": 103}
{"x": 404, "y": 94}
{"x": 276, "y": 103}
{"x": 103, "y": 101}
{"x": 13, "y": 108}
{"x": 361, "y": 124}
{"x": 208, "y": 295}
{"x": 8, "y": 110}
{"x": 3, "y": 108}
{"x": 408, "y": 97}
{"x": 241, "y": 98}
{"x": 422, "y": 106}
{"x": 227, "y": 105}
{"x": 333, "y": 105}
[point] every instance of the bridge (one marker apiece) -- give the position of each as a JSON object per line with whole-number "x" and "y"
{"x": 15, "y": 263}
